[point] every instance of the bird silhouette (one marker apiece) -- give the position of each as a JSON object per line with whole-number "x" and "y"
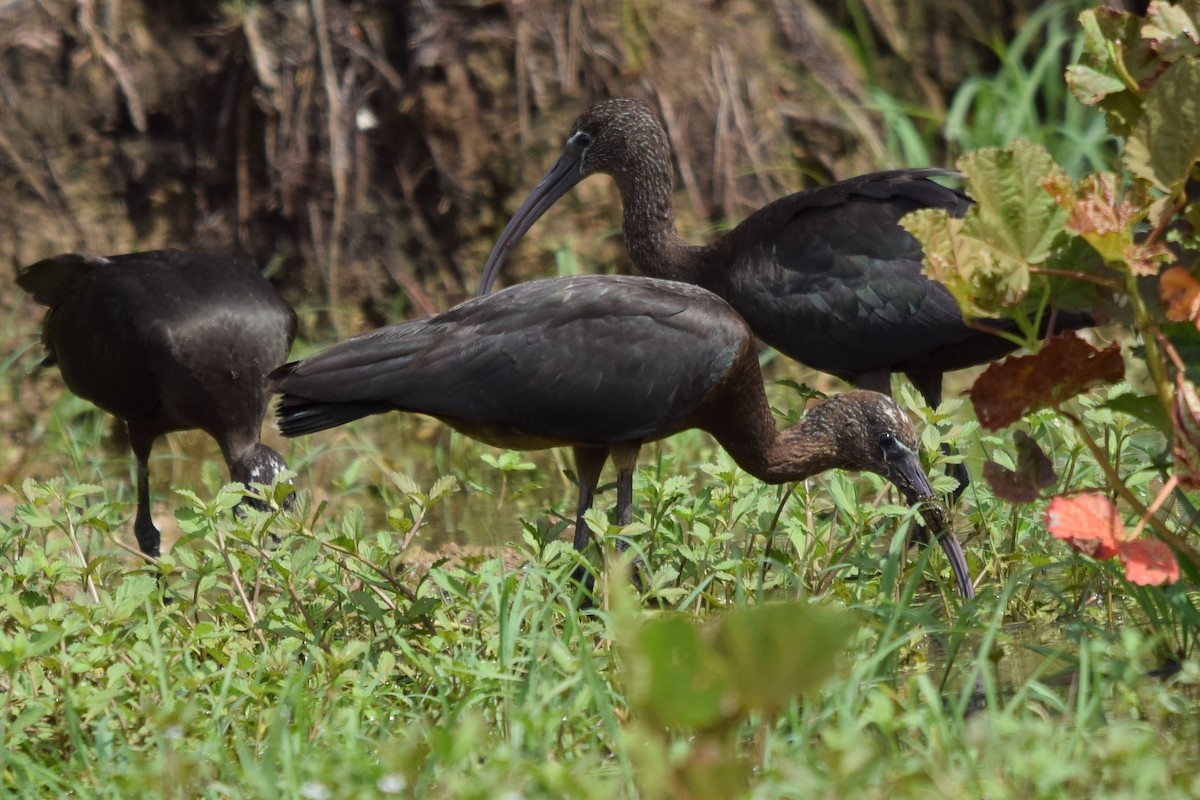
{"x": 825, "y": 276}
{"x": 600, "y": 364}
{"x": 167, "y": 340}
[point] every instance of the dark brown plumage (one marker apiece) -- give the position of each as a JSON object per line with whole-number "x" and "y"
{"x": 602, "y": 365}
{"x": 167, "y": 340}
{"x": 826, "y": 276}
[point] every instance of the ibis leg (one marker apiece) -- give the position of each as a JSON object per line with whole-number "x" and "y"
{"x": 625, "y": 460}
{"x": 589, "y": 461}
{"x": 148, "y": 537}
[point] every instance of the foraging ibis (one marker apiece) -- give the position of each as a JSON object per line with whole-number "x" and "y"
{"x": 825, "y": 276}
{"x": 601, "y": 364}
{"x": 166, "y": 341}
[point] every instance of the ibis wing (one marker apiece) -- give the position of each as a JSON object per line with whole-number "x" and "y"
{"x": 837, "y": 283}
{"x": 591, "y": 360}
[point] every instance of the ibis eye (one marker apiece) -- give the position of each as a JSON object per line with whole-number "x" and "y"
{"x": 580, "y": 139}
{"x": 887, "y": 440}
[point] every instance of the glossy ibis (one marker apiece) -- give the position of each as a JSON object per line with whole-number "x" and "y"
{"x": 167, "y": 341}
{"x": 825, "y": 276}
{"x": 600, "y": 364}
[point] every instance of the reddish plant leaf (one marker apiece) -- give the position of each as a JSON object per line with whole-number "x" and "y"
{"x": 1180, "y": 295}
{"x": 1105, "y": 219}
{"x": 1007, "y": 484}
{"x": 1090, "y": 524}
{"x": 1064, "y": 367}
{"x": 1145, "y": 259}
{"x": 1185, "y": 449}
{"x": 1087, "y": 522}
{"x": 1149, "y": 562}
{"x": 1032, "y": 462}
{"x": 1093, "y": 204}
{"x": 1034, "y": 471}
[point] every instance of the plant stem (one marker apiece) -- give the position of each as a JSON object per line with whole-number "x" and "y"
{"x": 1150, "y": 335}
{"x": 223, "y": 546}
{"x": 87, "y": 577}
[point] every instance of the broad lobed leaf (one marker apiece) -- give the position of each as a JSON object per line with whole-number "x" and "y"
{"x": 1012, "y": 212}
{"x": 1066, "y": 366}
{"x": 1165, "y": 142}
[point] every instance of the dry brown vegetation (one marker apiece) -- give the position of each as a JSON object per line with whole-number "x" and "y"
{"x": 369, "y": 151}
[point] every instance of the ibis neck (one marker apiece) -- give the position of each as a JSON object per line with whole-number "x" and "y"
{"x": 654, "y": 244}
{"x": 744, "y": 425}
{"x": 785, "y": 456}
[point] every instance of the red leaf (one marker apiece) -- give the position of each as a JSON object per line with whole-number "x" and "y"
{"x": 1090, "y": 524}
{"x": 1063, "y": 368}
{"x": 1087, "y": 522}
{"x": 1034, "y": 471}
{"x": 1149, "y": 562}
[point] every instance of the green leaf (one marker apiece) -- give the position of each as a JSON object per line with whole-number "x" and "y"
{"x": 191, "y": 497}
{"x": 1148, "y": 408}
{"x": 1165, "y": 143}
{"x": 1006, "y": 186}
{"x": 35, "y": 517}
{"x": 33, "y": 490}
{"x": 1172, "y": 31}
{"x": 775, "y": 652}
{"x": 302, "y": 559}
{"x": 191, "y": 521}
{"x": 404, "y": 483}
{"x": 702, "y": 677}
{"x": 984, "y": 258}
{"x": 81, "y": 490}
{"x": 131, "y": 594}
{"x": 229, "y": 496}
{"x": 672, "y": 676}
{"x": 1090, "y": 85}
{"x": 366, "y": 602}
{"x": 32, "y": 599}
{"x": 983, "y": 280}
{"x": 443, "y": 486}
{"x": 1114, "y": 61}
{"x": 385, "y": 665}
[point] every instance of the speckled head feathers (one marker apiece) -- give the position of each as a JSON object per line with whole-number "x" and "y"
{"x": 624, "y": 133}
{"x": 857, "y": 420}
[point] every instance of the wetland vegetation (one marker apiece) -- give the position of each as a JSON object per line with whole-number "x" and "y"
{"x": 409, "y": 628}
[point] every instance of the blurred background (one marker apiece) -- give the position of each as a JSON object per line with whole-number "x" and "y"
{"x": 367, "y": 153}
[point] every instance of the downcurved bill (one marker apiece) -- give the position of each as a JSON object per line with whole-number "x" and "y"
{"x": 914, "y": 484}
{"x": 558, "y": 181}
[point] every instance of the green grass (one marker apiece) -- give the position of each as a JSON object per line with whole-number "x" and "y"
{"x": 409, "y": 628}
{"x": 1025, "y": 98}
{"x": 310, "y": 654}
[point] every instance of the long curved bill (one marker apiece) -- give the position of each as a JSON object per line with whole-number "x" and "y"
{"x": 910, "y": 478}
{"x": 558, "y": 181}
